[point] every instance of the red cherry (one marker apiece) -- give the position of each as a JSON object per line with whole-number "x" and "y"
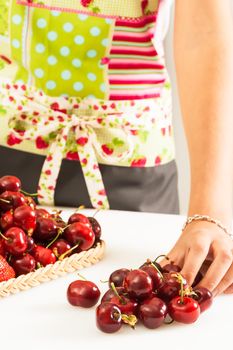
{"x": 25, "y": 218}
{"x": 80, "y": 233}
{"x": 15, "y": 241}
{"x": 138, "y": 284}
{"x": 15, "y": 199}
{"x": 154, "y": 273}
{"x": 46, "y": 229}
{"x": 60, "y": 247}
{"x": 95, "y": 227}
{"x": 108, "y": 317}
{"x": 152, "y": 312}
{"x": 185, "y": 311}
{"x": 6, "y": 220}
{"x": 3, "y": 251}
{"x": 24, "y": 264}
{"x": 126, "y": 305}
{"x": 77, "y": 217}
{"x": 30, "y": 202}
{"x": 204, "y": 297}
{"x": 10, "y": 183}
{"x": 171, "y": 286}
{"x": 83, "y": 293}
{"x": 171, "y": 268}
{"x": 30, "y": 244}
{"x": 44, "y": 256}
{"x": 117, "y": 277}
{"x": 40, "y": 212}
{"x": 110, "y": 294}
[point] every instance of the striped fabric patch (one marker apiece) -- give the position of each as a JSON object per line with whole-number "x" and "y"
{"x": 135, "y": 69}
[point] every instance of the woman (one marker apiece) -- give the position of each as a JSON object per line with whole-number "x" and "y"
{"x": 91, "y": 85}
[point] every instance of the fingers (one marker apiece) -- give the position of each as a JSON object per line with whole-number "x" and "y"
{"x": 172, "y": 257}
{"x": 218, "y": 269}
{"x": 226, "y": 282}
{"x": 229, "y": 290}
{"x": 194, "y": 260}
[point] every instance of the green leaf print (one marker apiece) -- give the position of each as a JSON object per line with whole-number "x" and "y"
{"x": 118, "y": 142}
{"x": 143, "y": 135}
{"x": 2, "y": 111}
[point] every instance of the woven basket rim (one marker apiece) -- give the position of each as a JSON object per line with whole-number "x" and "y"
{"x": 70, "y": 264}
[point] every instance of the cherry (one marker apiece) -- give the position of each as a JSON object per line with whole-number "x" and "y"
{"x": 108, "y": 317}
{"x": 2, "y": 248}
{"x": 44, "y": 256}
{"x": 110, "y": 293}
{"x": 25, "y": 218}
{"x": 42, "y": 213}
{"x": 78, "y": 217}
{"x": 203, "y": 296}
{"x": 152, "y": 312}
{"x": 23, "y": 264}
{"x": 11, "y": 200}
{"x": 60, "y": 246}
{"x": 10, "y": 183}
{"x": 6, "y": 220}
{"x": 171, "y": 286}
{"x": 138, "y": 284}
{"x": 46, "y": 229}
{"x": 95, "y": 227}
{"x": 30, "y": 202}
{"x": 79, "y": 232}
{"x": 184, "y": 309}
{"x": 15, "y": 241}
{"x": 171, "y": 268}
{"x": 83, "y": 293}
{"x": 154, "y": 273}
{"x": 30, "y": 244}
{"x": 117, "y": 277}
{"x": 126, "y": 305}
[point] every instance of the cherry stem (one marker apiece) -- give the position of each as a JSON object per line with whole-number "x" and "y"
{"x": 5, "y": 201}
{"x": 129, "y": 319}
{"x": 82, "y": 277}
{"x": 169, "y": 322}
{"x": 62, "y": 256}
{"x": 161, "y": 256}
{"x": 38, "y": 265}
{"x": 60, "y": 231}
{"x": 96, "y": 212}
{"x": 29, "y": 194}
{"x": 80, "y": 208}
{"x": 159, "y": 272}
{"x": 116, "y": 292}
{"x": 4, "y": 237}
{"x": 182, "y": 291}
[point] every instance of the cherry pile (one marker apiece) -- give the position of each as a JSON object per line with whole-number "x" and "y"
{"x": 151, "y": 295}
{"x": 31, "y": 237}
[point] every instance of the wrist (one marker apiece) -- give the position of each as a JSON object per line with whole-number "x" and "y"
{"x": 216, "y": 206}
{"x": 209, "y": 220}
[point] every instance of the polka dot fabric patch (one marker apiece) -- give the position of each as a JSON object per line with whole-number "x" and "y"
{"x": 65, "y": 53}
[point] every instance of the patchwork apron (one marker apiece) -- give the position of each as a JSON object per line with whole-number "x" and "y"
{"x": 85, "y": 103}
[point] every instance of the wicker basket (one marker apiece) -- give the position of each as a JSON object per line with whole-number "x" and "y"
{"x": 53, "y": 271}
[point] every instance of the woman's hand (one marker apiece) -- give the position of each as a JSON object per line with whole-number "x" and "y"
{"x": 206, "y": 247}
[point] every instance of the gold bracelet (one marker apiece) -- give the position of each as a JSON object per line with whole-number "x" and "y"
{"x": 198, "y": 217}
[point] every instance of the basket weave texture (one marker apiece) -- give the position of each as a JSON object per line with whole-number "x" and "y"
{"x": 53, "y": 271}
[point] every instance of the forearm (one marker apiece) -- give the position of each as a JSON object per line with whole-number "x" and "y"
{"x": 204, "y": 66}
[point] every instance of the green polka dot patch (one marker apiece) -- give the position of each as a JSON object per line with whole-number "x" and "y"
{"x": 65, "y": 51}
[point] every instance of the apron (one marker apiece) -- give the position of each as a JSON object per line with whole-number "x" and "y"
{"x": 85, "y": 103}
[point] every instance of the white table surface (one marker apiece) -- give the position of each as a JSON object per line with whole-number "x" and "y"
{"x": 41, "y": 317}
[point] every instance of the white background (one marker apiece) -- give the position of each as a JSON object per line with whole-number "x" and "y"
{"x": 181, "y": 147}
